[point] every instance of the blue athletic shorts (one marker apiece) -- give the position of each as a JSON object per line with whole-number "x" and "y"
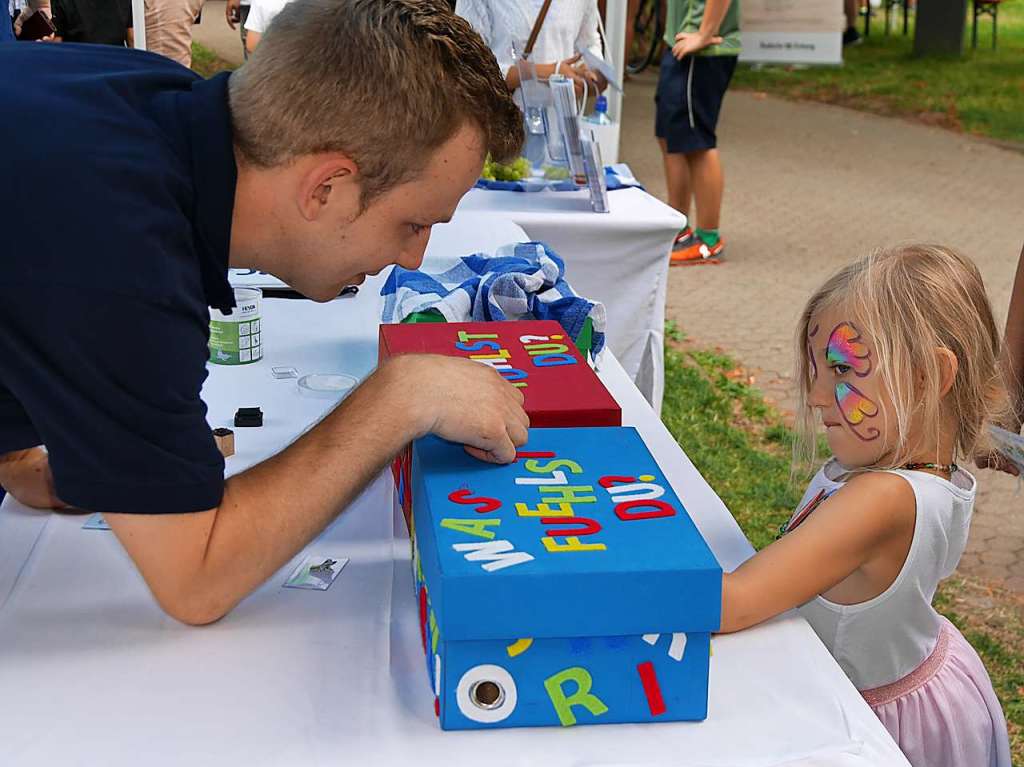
{"x": 689, "y": 98}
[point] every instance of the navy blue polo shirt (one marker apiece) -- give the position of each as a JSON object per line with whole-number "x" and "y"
{"x": 115, "y": 220}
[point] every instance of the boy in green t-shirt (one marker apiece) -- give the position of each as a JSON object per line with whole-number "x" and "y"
{"x": 704, "y": 40}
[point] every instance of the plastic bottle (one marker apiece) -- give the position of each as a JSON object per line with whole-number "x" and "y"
{"x": 600, "y": 115}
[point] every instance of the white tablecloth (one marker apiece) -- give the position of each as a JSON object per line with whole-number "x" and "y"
{"x": 618, "y": 258}
{"x": 92, "y": 673}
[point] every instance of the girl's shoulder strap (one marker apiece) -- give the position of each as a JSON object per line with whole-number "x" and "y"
{"x": 828, "y": 480}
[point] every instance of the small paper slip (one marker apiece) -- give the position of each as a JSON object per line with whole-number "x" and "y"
{"x": 598, "y": 64}
{"x": 316, "y": 573}
{"x": 1010, "y": 445}
{"x": 284, "y": 372}
{"x": 96, "y": 522}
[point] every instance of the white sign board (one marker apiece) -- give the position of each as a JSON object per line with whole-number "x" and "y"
{"x": 792, "y": 31}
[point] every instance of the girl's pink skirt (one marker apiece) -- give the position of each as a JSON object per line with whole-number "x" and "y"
{"x": 945, "y": 712}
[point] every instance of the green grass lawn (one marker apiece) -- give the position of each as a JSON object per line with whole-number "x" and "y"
{"x": 206, "y": 62}
{"x": 983, "y": 93}
{"x": 742, "y": 447}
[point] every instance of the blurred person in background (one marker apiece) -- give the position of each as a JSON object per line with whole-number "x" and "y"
{"x": 106, "y": 22}
{"x": 236, "y": 12}
{"x": 571, "y": 26}
{"x": 704, "y": 43}
{"x": 261, "y": 13}
{"x": 169, "y": 28}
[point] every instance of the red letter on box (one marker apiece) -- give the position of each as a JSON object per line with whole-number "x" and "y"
{"x": 660, "y": 509}
{"x": 583, "y": 526}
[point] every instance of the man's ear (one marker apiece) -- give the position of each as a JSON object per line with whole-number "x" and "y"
{"x": 330, "y": 179}
{"x": 948, "y": 367}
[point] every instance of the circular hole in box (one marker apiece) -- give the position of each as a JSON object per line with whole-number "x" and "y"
{"x": 487, "y": 695}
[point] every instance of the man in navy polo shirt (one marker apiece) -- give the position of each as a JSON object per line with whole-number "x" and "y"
{"x": 356, "y": 126}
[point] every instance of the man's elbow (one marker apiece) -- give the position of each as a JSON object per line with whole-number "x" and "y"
{"x": 193, "y": 607}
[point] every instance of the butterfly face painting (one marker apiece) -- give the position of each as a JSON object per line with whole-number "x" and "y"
{"x": 845, "y": 347}
{"x": 810, "y": 354}
{"x": 856, "y": 409}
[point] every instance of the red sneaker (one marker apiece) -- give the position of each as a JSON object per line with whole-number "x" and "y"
{"x": 683, "y": 239}
{"x": 697, "y": 252}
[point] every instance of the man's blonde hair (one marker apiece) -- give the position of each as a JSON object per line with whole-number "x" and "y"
{"x": 386, "y": 82}
{"x": 910, "y": 301}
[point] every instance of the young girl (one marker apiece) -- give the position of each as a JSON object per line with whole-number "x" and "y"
{"x": 899, "y": 355}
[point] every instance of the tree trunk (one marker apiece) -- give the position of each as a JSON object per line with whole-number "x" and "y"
{"x": 939, "y": 27}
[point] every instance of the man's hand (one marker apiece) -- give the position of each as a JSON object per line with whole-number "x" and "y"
{"x": 464, "y": 401}
{"x": 25, "y": 474}
{"x": 233, "y": 12}
{"x": 689, "y": 43}
{"x": 199, "y": 565}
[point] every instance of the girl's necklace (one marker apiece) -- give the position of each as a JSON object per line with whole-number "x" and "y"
{"x": 823, "y": 495}
{"x": 945, "y": 468}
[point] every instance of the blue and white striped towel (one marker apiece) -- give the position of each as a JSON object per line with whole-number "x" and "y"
{"x": 521, "y": 281}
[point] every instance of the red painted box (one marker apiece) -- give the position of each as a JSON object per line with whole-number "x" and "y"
{"x": 536, "y": 356}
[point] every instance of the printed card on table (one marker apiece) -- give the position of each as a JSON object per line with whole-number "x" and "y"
{"x": 316, "y": 573}
{"x": 96, "y": 522}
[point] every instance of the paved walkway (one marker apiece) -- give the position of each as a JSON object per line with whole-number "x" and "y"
{"x": 811, "y": 187}
{"x": 215, "y": 34}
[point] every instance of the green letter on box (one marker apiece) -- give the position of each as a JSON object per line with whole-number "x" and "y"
{"x": 477, "y": 527}
{"x": 563, "y": 704}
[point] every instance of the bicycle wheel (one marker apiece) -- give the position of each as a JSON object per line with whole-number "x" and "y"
{"x": 648, "y": 28}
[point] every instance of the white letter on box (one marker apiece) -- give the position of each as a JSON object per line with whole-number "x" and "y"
{"x": 496, "y": 554}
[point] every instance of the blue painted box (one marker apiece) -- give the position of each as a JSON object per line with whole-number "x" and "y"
{"x": 569, "y": 587}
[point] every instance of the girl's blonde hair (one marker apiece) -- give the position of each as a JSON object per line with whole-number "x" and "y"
{"x": 910, "y": 301}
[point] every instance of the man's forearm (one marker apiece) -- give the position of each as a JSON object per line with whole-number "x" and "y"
{"x": 1013, "y": 343}
{"x": 200, "y": 565}
{"x": 270, "y": 511}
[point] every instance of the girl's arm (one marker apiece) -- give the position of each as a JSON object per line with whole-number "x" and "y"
{"x": 858, "y": 525}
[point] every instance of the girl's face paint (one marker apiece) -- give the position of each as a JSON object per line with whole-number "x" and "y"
{"x": 811, "y": 358}
{"x": 856, "y": 409}
{"x": 846, "y": 390}
{"x": 846, "y": 348}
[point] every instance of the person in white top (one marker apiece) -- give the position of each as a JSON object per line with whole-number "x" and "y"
{"x": 261, "y": 13}
{"x": 899, "y": 355}
{"x": 236, "y": 12}
{"x": 571, "y": 26}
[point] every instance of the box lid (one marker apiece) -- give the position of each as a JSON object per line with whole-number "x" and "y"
{"x": 581, "y": 536}
{"x": 536, "y": 356}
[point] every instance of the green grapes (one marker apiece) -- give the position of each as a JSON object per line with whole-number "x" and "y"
{"x": 556, "y": 172}
{"x": 517, "y": 170}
